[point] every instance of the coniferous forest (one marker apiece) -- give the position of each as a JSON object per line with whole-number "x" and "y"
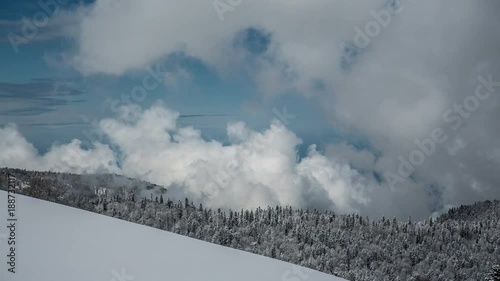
{"x": 462, "y": 244}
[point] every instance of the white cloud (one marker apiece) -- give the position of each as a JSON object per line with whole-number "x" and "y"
{"x": 256, "y": 169}
{"x": 17, "y": 152}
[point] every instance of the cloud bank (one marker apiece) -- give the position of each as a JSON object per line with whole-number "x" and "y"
{"x": 255, "y": 169}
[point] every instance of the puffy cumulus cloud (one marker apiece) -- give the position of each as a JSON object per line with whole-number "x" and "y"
{"x": 17, "y": 152}
{"x": 255, "y": 169}
{"x": 72, "y": 158}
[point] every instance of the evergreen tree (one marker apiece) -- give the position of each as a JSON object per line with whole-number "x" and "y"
{"x": 494, "y": 274}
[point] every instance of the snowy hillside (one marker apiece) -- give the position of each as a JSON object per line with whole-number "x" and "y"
{"x": 59, "y": 243}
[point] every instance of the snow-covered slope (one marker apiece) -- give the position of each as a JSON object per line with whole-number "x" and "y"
{"x": 59, "y": 243}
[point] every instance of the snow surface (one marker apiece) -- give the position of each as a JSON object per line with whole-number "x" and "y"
{"x": 60, "y": 243}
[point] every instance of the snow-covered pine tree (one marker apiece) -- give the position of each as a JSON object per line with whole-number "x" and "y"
{"x": 494, "y": 274}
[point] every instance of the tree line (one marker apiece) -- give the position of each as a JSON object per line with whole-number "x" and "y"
{"x": 462, "y": 244}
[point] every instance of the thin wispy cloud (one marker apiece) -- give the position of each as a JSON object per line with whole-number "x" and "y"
{"x": 37, "y": 96}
